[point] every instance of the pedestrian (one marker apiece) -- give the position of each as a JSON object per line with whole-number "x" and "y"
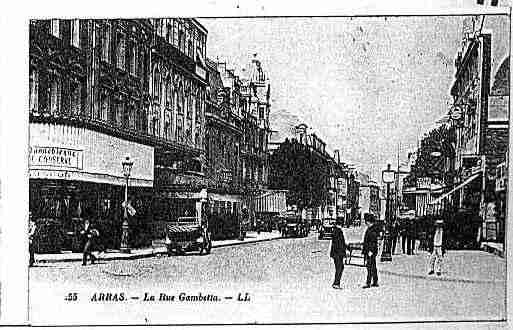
{"x": 394, "y": 234}
{"x": 88, "y": 235}
{"x": 411, "y": 239}
{"x": 404, "y": 234}
{"x": 31, "y": 235}
{"x": 338, "y": 251}
{"x": 437, "y": 249}
{"x": 370, "y": 250}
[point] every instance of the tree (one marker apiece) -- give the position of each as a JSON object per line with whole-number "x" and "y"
{"x": 301, "y": 171}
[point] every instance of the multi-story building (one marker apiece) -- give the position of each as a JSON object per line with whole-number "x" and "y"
{"x": 255, "y": 105}
{"x": 88, "y": 103}
{"x": 479, "y": 120}
{"x": 104, "y": 89}
{"x": 222, "y": 145}
{"x": 176, "y": 115}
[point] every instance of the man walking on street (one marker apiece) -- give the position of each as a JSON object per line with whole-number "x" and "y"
{"x": 338, "y": 251}
{"x": 31, "y": 235}
{"x": 437, "y": 249}
{"x": 88, "y": 235}
{"x": 370, "y": 251}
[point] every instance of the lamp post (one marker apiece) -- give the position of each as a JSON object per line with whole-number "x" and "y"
{"x": 388, "y": 177}
{"x": 127, "y": 167}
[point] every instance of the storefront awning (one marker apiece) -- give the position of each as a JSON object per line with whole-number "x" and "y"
{"x": 461, "y": 185}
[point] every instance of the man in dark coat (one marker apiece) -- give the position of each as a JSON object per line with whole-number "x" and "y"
{"x": 338, "y": 251}
{"x": 88, "y": 236}
{"x": 370, "y": 251}
{"x": 412, "y": 236}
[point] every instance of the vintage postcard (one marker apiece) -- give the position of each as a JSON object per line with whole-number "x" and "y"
{"x": 268, "y": 170}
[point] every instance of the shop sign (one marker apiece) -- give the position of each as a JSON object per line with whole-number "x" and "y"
{"x": 56, "y": 157}
{"x": 424, "y": 183}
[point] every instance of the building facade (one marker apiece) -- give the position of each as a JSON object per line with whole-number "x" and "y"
{"x": 103, "y": 89}
{"x": 176, "y": 116}
{"x": 224, "y": 134}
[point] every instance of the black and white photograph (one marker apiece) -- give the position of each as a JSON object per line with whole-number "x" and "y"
{"x": 268, "y": 169}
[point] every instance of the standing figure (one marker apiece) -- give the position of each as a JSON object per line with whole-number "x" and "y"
{"x": 404, "y": 235}
{"x": 370, "y": 250}
{"x": 394, "y": 234}
{"x": 437, "y": 249}
{"x": 31, "y": 234}
{"x": 88, "y": 235}
{"x": 411, "y": 236}
{"x": 338, "y": 251}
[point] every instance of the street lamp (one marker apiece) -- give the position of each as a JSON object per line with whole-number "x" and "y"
{"x": 127, "y": 167}
{"x": 388, "y": 177}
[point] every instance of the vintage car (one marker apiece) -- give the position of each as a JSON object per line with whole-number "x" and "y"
{"x": 326, "y": 228}
{"x": 294, "y": 226}
{"x": 187, "y": 234}
{"x": 264, "y": 222}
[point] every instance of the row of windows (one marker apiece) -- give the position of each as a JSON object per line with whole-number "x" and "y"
{"x": 183, "y": 35}
{"x": 53, "y": 94}
{"x": 68, "y": 30}
{"x": 125, "y": 53}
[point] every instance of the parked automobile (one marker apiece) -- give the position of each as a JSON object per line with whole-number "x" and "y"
{"x": 294, "y": 226}
{"x": 187, "y": 234}
{"x": 326, "y": 228}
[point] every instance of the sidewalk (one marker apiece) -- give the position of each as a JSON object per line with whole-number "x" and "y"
{"x": 157, "y": 248}
{"x": 457, "y": 266}
{"x": 482, "y": 266}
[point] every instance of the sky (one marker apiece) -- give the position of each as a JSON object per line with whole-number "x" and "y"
{"x": 363, "y": 84}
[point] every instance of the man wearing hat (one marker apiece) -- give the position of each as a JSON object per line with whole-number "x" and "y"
{"x": 338, "y": 251}
{"x": 370, "y": 250}
{"x": 438, "y": 249}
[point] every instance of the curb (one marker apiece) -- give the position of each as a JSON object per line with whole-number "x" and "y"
{"x": 153, "y": 253}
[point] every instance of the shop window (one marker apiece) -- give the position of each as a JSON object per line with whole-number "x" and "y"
{"x": 33, "y": 89}
{"x": 75, "y": 33}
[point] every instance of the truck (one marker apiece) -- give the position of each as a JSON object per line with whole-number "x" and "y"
{"x": 268, "y": 206}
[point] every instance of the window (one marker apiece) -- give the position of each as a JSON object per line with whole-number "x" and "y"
{"x": 76, "y": 97}
{"x": 169, "y": 94}
{"x": 167, "y": 130}
{"x": 106, "y": 43}
{"x": 155, "y": 126}
{"x": 142, "y": 62}
{"x": 199, "y": 101}
{"x": 169, "y": 31}
{"x": 175, "y": 32}
{"x": 75, "y": 33}
{"x": 55, "y": 95}
{"x": 33, "y": 89}
{"x": 118, "y": 115}
{"x": 133, "y": 59}
{"x": 132, "y": 118}
{"x": 179, "y": 129}
{"x": 55, "y": 28}
{"x": 156, "y": 85}
{"x": 120, "y": 52}
{"x": 104, "y": 106}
